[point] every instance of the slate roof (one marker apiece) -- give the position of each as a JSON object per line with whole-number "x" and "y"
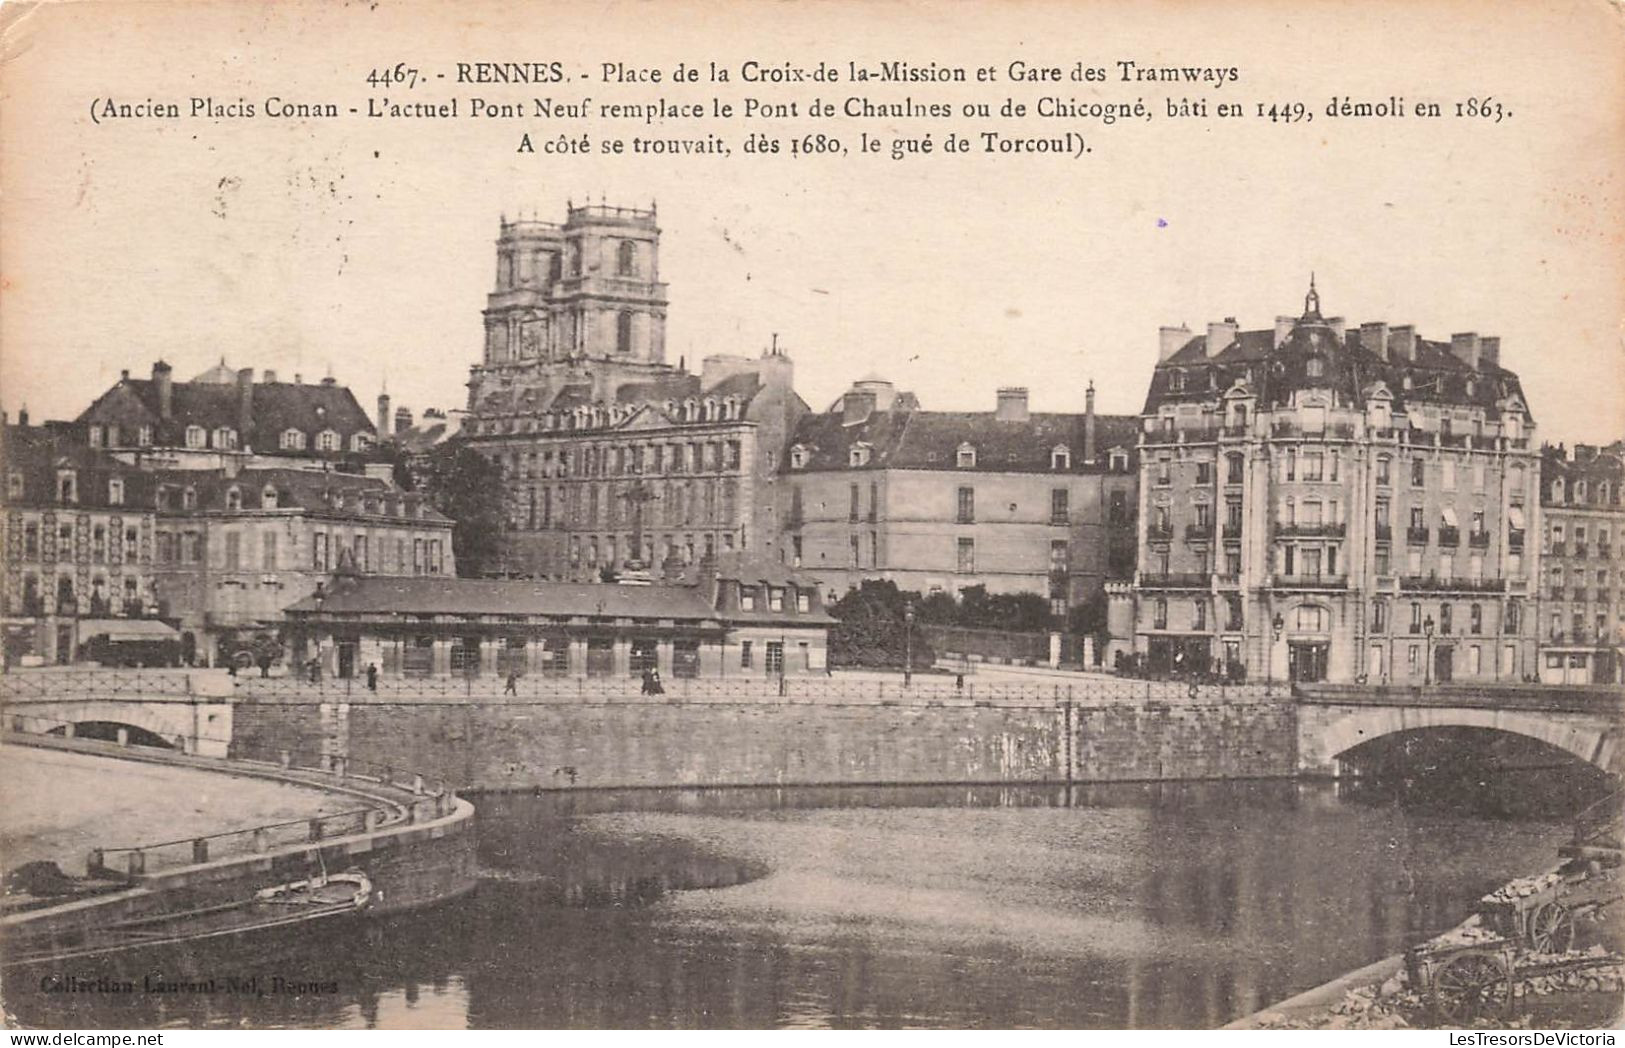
{"x": 443, "y": 596}
{"x": 1437, "y": 375}
{"x": 276, "y": 406}
{"x": 903, "y": 438}
{"x": 315, "y": 491}
{"x": 36, "y": 452}
{"x": 1596, "y": 466}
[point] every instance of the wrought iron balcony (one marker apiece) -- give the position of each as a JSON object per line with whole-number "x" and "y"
{"x": 1229, "y": 581}
{"x": 1416, "y": 536}
{"x": 1232, "y": 531}
{"x": 1579, "y": 549}
{"x": 1198, "y": 532}
{"x": 1311, "y": 530}
{"x": 1322, "y": 582}
{"x": 1385, "y": 532}
{"x": 1560, "y": 549}
{"x": 1515, "y": 540}
{"x": 1558, "y": 593}
{"x": 1604, "y": 553}
{"x": 1580, "y": 594}
{"x": 1478, "y": 539}
{"x": 1153, "y": 533}
{"x": 1449, "y": 536}
{"x": 1450, "y": 584}
{"x": 1175, "y": 580}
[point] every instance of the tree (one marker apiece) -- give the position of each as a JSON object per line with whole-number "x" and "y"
{"x": 469, "y": 488}
{"x": 870, "y": 629}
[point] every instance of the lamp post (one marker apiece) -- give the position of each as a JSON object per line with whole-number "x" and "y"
{"x": 908, "y": 643}
{"x": 1427, "y": 656}
{"x": 1276, "y": 627}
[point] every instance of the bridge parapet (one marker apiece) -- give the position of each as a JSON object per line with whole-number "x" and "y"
{"x": 1584, "y": 698}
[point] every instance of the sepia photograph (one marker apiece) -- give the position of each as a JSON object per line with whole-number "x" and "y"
{"x": 1057, "y": 515}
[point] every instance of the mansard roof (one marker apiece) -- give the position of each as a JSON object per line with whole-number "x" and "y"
{"x": 275, "y": 407}
{"x": 319, "y": 492}
{"x": 36, "y": 453}
{"x": 901, "y": 438}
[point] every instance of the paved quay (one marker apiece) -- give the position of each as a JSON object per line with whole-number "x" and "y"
{"x": 57, "y": 806}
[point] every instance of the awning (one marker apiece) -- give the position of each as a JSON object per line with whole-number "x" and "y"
{"x": 1449, "y": 514}
{"x": 1515, "y": 517}
{"x": 127, "y": 629}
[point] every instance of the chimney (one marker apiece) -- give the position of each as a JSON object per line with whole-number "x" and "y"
{"x": 329, "y": 381}
{"x": 22, "y": 416}
{"x": 1172, "y": 340}
{"x": 403, "y": 420}
{"x": 245, "y": 405}
{"x": 1489, "y": 351}
{"x": 1374, "y": 338}
{"x": 1089, "y": 422}
{"x": 1283, "y": 329}
{"x": 1402, "y": 342}
{"x": 1219, "y": 336}
{"x": 1464, "y": 347}
{"x": 856, "y": 406}
{"x": 1011, "y": 405}
{"x": 298, "y": 379}
{"x": 161, "y": 374}
{"x": 124, "y": 375}
{"x": 383, "y": 416}
{"x": 267, "y": 376}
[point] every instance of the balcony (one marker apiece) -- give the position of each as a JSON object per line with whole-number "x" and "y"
{"x": 1558, "y": 593}
{"x": 1199, "y": 533}
{"x": 1515, "y": 540}
{"x": 1580, "y": 594}
{"x": 1604, "y": 553}
{"x": 1605, "y": 596}
{"x": 1154, "y": 533}
{"x": 1449, "y": 537}
{"x": 1316, "y": 582}
{"x": 1560, "y": 549}
{"x": 1416, "y": 536}
{"x": 1579, "y": 549}
{"x": 1232, "y": 531}
{"x": 1478, "y": 539}
{"x": 1058, "y": 519}
{"x": 1234, "y": 431}
{"x": 1451, "y": 584}
{"x": 1335, "y": 531}
{"x": 1175, "y": 580}
{"x": 1385, "y": 532}
{"x": 1230, "y": 581}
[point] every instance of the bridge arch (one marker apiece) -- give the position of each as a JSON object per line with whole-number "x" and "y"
{"x": 171, "y": 723}
{"x": 1332, "y": 731}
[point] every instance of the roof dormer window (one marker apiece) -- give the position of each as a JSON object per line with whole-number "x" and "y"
{"x": 189, "y": 498}
{"x": 14, "y": 485}
{"x": 798, "y": 457}
{"x": 1060, "y": 457}
{"x": 95, "y": 435}
{"x": 1316, "y": 367}
{"x": 1176, "y": 381}
{"x": 292, "y": 440}
{"x": 965, "y": 457}
{"x": 327, "y": 440}
{"x": 67, "y": 486}
{"x": 195, "y": 437}
{"x": 115, "y": 491}
{"x": 1118, "y": 461}
{"x": 268, "y": 497}
{"x": 143, "y": 436}
{"x": 859, "y": 454}
{"x": 360, "y": 442}
{"x": 225, "y": 438}
{"x": 234, "y": 498}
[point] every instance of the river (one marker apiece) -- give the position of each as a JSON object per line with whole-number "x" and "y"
{"x": 1160, "y": 905}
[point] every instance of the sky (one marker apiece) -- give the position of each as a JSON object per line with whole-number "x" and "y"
{"x": 364, "y": 249}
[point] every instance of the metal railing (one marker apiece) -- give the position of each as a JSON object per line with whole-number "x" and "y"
{"x": 61, "y": 684}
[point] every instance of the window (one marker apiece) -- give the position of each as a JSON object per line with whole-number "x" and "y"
{"x": 1418, "y": 473}
{"x": 1159, "y": 614}
{"x": 1475, "y": 618}
{"x": 1316, "y": 367}
{"x": 225, "y": 438}
{"x": 803, "y": 601}
{"x": 189, "y": 498}
{"x": 1291, "y": 464}
{"x": 626, "y": 258}
{"x": 775, "y": 598}
{"x": 234, "y": 498}
{"x": 292, "y": 440}
{"x": 143, "y": 435}
{"x": 14, "y": 485}
{"x": 965, "y": 458}
{"x": 1311, "y": 618}
{"x": 1475, "y": 660}
{"x": 1060, "y": 457}
{"x": 1447, "y": 475}
{"x": 1059, "y": 505}
{"x": 1384, "y": 471}
{"x": 115, "y": 491}
{"x": 1314, "y": 464}
{"x": 1379, "y": 616}
{"x": 744, "y": 654}
{"x": 319, "y": 551}
{"x": 95, "y": 435}
{"x": 1204, "y": 473}
{"x": 1446, "y": 614}
{"x": 195, "y": 437}
{"x": 623, "y": 331}
{"x": 798, "y": 458}
{"x": 132, "y": 540}
{"x": 966, "y": 506}
{"x": 1198, "y": 614}
{"x": 268, "y": 551}
{"x": 234, "y": 548}
{"x": 1119, "y": 462}
{"x": 360, "y": 442}
{"x": 327, "y": 440}
{"x": 852, "y": 512}
{"x": 967, "y": 556}
{"x": 1234, "y": 465}
{"x": 67, "y": 486}
{"x": 1165, "y": 471}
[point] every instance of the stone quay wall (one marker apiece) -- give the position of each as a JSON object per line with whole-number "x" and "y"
{"x": 618, "y": 739}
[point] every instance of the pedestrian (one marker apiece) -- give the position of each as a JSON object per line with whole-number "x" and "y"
{"x": 648, "y": 687}
{"x": 654, "y": 683}
{"x": 959, "y": 681}
{"x": 512, "y": 685}
{"x": 372, "y": 676}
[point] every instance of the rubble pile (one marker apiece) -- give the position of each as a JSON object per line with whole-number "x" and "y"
{"x": 1523, "y": 887}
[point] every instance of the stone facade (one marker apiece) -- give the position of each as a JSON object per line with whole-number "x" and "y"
{"x": 1582, "y": 627}
{"x": 1325, "y": 504}
{"x": 877, "y": 488}
{"x": 614, "y": 458}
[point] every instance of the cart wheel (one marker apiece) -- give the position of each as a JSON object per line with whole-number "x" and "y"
{"x": 1471, "y": 986}
{"x": 1551, "y": 929}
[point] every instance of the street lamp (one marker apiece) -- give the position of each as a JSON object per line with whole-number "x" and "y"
{"x": 908, "y": 643}
{"x": 1269, "y": 657}
{"x": 1427, "y": 657}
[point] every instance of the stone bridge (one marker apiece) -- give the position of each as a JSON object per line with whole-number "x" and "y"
{"x": 188, "y": 711}
{"x": 1586, "y": 721}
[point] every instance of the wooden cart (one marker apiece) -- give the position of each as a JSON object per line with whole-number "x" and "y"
{"x": 1465, "y": 982}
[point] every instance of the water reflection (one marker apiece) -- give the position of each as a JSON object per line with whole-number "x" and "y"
{"x": 1164, "y": 905}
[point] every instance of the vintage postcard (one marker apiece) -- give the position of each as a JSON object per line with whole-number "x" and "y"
{"x": 1052, "y": 514}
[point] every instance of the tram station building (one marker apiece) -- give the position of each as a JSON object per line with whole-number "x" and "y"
{"x": 735, "y": 619}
